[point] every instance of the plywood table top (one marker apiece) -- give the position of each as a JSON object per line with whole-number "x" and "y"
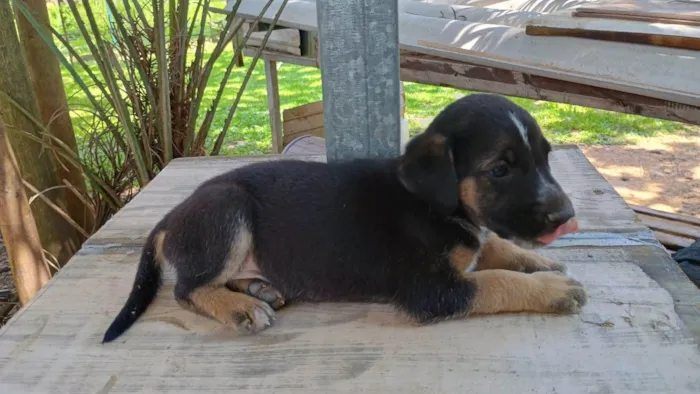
{"x": 638, "y": 333}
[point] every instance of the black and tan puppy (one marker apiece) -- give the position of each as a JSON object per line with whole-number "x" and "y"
{"x": 431, "y": 232}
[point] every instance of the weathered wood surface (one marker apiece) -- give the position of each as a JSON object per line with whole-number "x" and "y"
{"x": 461, "y": 75}
{"x": 436, "y": 70}
{"x": 282, "y": 40}
{"x": 496, "y": 16}
{"x": 273, "y": 104}
{"x": 656, "y": 11}
{"x": 611, "y": 65}
{"x": 638, "y": 334}
{"x": 632, "y": 32}
{"x": 672, "y": 230}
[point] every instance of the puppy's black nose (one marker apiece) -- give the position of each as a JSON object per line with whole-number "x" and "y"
{"x": 556, "y": 219}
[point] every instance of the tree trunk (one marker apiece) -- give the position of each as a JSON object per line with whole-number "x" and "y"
{"x": 45, "y": 73}
{"x": 18, "y": 228}
{"x": 35, "y": 162}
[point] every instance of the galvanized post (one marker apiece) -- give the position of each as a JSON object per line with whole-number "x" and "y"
{"x": 359, "y": 60}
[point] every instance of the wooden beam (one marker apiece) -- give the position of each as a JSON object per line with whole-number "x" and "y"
{"x": 281, "y": 57}
{"x": 273, "y": 104}
{"x": 359, "y": 52}
{"x": 666, "y": 215}
{"x": 442, "y": 72}
{"x": 653, "y": 11}
{"x": 665, "y": 73}
{"x": 631, "y": 32}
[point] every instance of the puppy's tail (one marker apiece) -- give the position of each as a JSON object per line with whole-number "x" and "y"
{"x": 146, "y": 284}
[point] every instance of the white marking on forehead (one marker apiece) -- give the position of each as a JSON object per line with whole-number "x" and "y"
{"x": 521, "y": 128}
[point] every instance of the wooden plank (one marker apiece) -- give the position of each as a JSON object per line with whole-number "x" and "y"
{"x": 666, "y": 215}
{"x": 298, "y": 125}
{"x": 433, "y": 70}
{"x": 303, "y": 111}
{"x": 672, "y": 242}
{"x": 652, "y": 10}
{"x": 640, "y": 304}
{"x": 274, "y": 47}
{"x": 442, "y": 72}
{"x": 671, "y": 227}
{"x": 496, "y": 16}
{"x": 283, "y": 37}
{"x": 609, "y": 65}
{"x": 317, "y": 132}
{"x": 273, "y": 104}
{"x": 674, "y": 36}
{"x": 637, "y": 18}
{"x": 281, "y": 40}
{"x": 282, "y": 57}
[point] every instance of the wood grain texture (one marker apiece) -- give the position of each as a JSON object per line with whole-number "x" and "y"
{"x": 461, "y": 75}
{"x": 673, "y": 36}
{"x": 658, "y": 11}
{"x": 665, "y": 74}
{"x": 273, "y": 104}
{"x": 312, "y": 121}
{"x": 637, "y": 334}
{"x": 316, "y": 132}
{"x": 666, "y": 215}
{"x": 303, "y": 111}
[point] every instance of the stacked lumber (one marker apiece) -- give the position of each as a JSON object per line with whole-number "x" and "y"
{"x": 280, "y": 39}
{"x": 672, "y": 230}
{"x": 306, "y": 119}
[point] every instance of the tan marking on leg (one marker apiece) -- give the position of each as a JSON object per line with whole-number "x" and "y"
{"x": 241, "y": 272}
{"x": 158, "y": 242}
{"x": 238, "y": 310}
{"x": 463, "y": 258}
{"x": 498, "y": 253}
{"x": 239, "y": 250}
{"x": 469, "y": 195}
{"x": 500, "y": 291}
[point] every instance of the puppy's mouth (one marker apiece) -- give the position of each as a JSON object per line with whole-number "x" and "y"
{"x": 567, "y": 228}
{"x": 536, "y": 242}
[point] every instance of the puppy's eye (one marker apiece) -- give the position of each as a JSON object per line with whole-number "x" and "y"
{"x": 500, "y": 170}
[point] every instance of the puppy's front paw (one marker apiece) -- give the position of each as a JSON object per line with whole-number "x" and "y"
{"x": 253, "y": 316}
{"x": 533, "y": 262}
{"x": 560, "y": 293}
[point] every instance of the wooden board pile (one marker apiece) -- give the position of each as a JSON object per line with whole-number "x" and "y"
{"x": 672, "y": 230}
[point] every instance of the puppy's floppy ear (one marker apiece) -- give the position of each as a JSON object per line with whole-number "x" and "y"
{"x": 427, "y": 170}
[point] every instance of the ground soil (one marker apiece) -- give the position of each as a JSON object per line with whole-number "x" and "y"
{"x": 661, "y": 173}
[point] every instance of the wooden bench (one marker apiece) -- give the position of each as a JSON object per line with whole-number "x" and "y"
{"x": 638, "y": 334}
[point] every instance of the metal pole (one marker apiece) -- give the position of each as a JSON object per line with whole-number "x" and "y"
{"x": 359, "y": 60}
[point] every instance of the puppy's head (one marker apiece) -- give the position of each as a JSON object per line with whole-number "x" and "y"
{"x": 486, "y": 155}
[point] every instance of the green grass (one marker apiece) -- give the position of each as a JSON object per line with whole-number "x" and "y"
{"x": 250, "y": 130}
